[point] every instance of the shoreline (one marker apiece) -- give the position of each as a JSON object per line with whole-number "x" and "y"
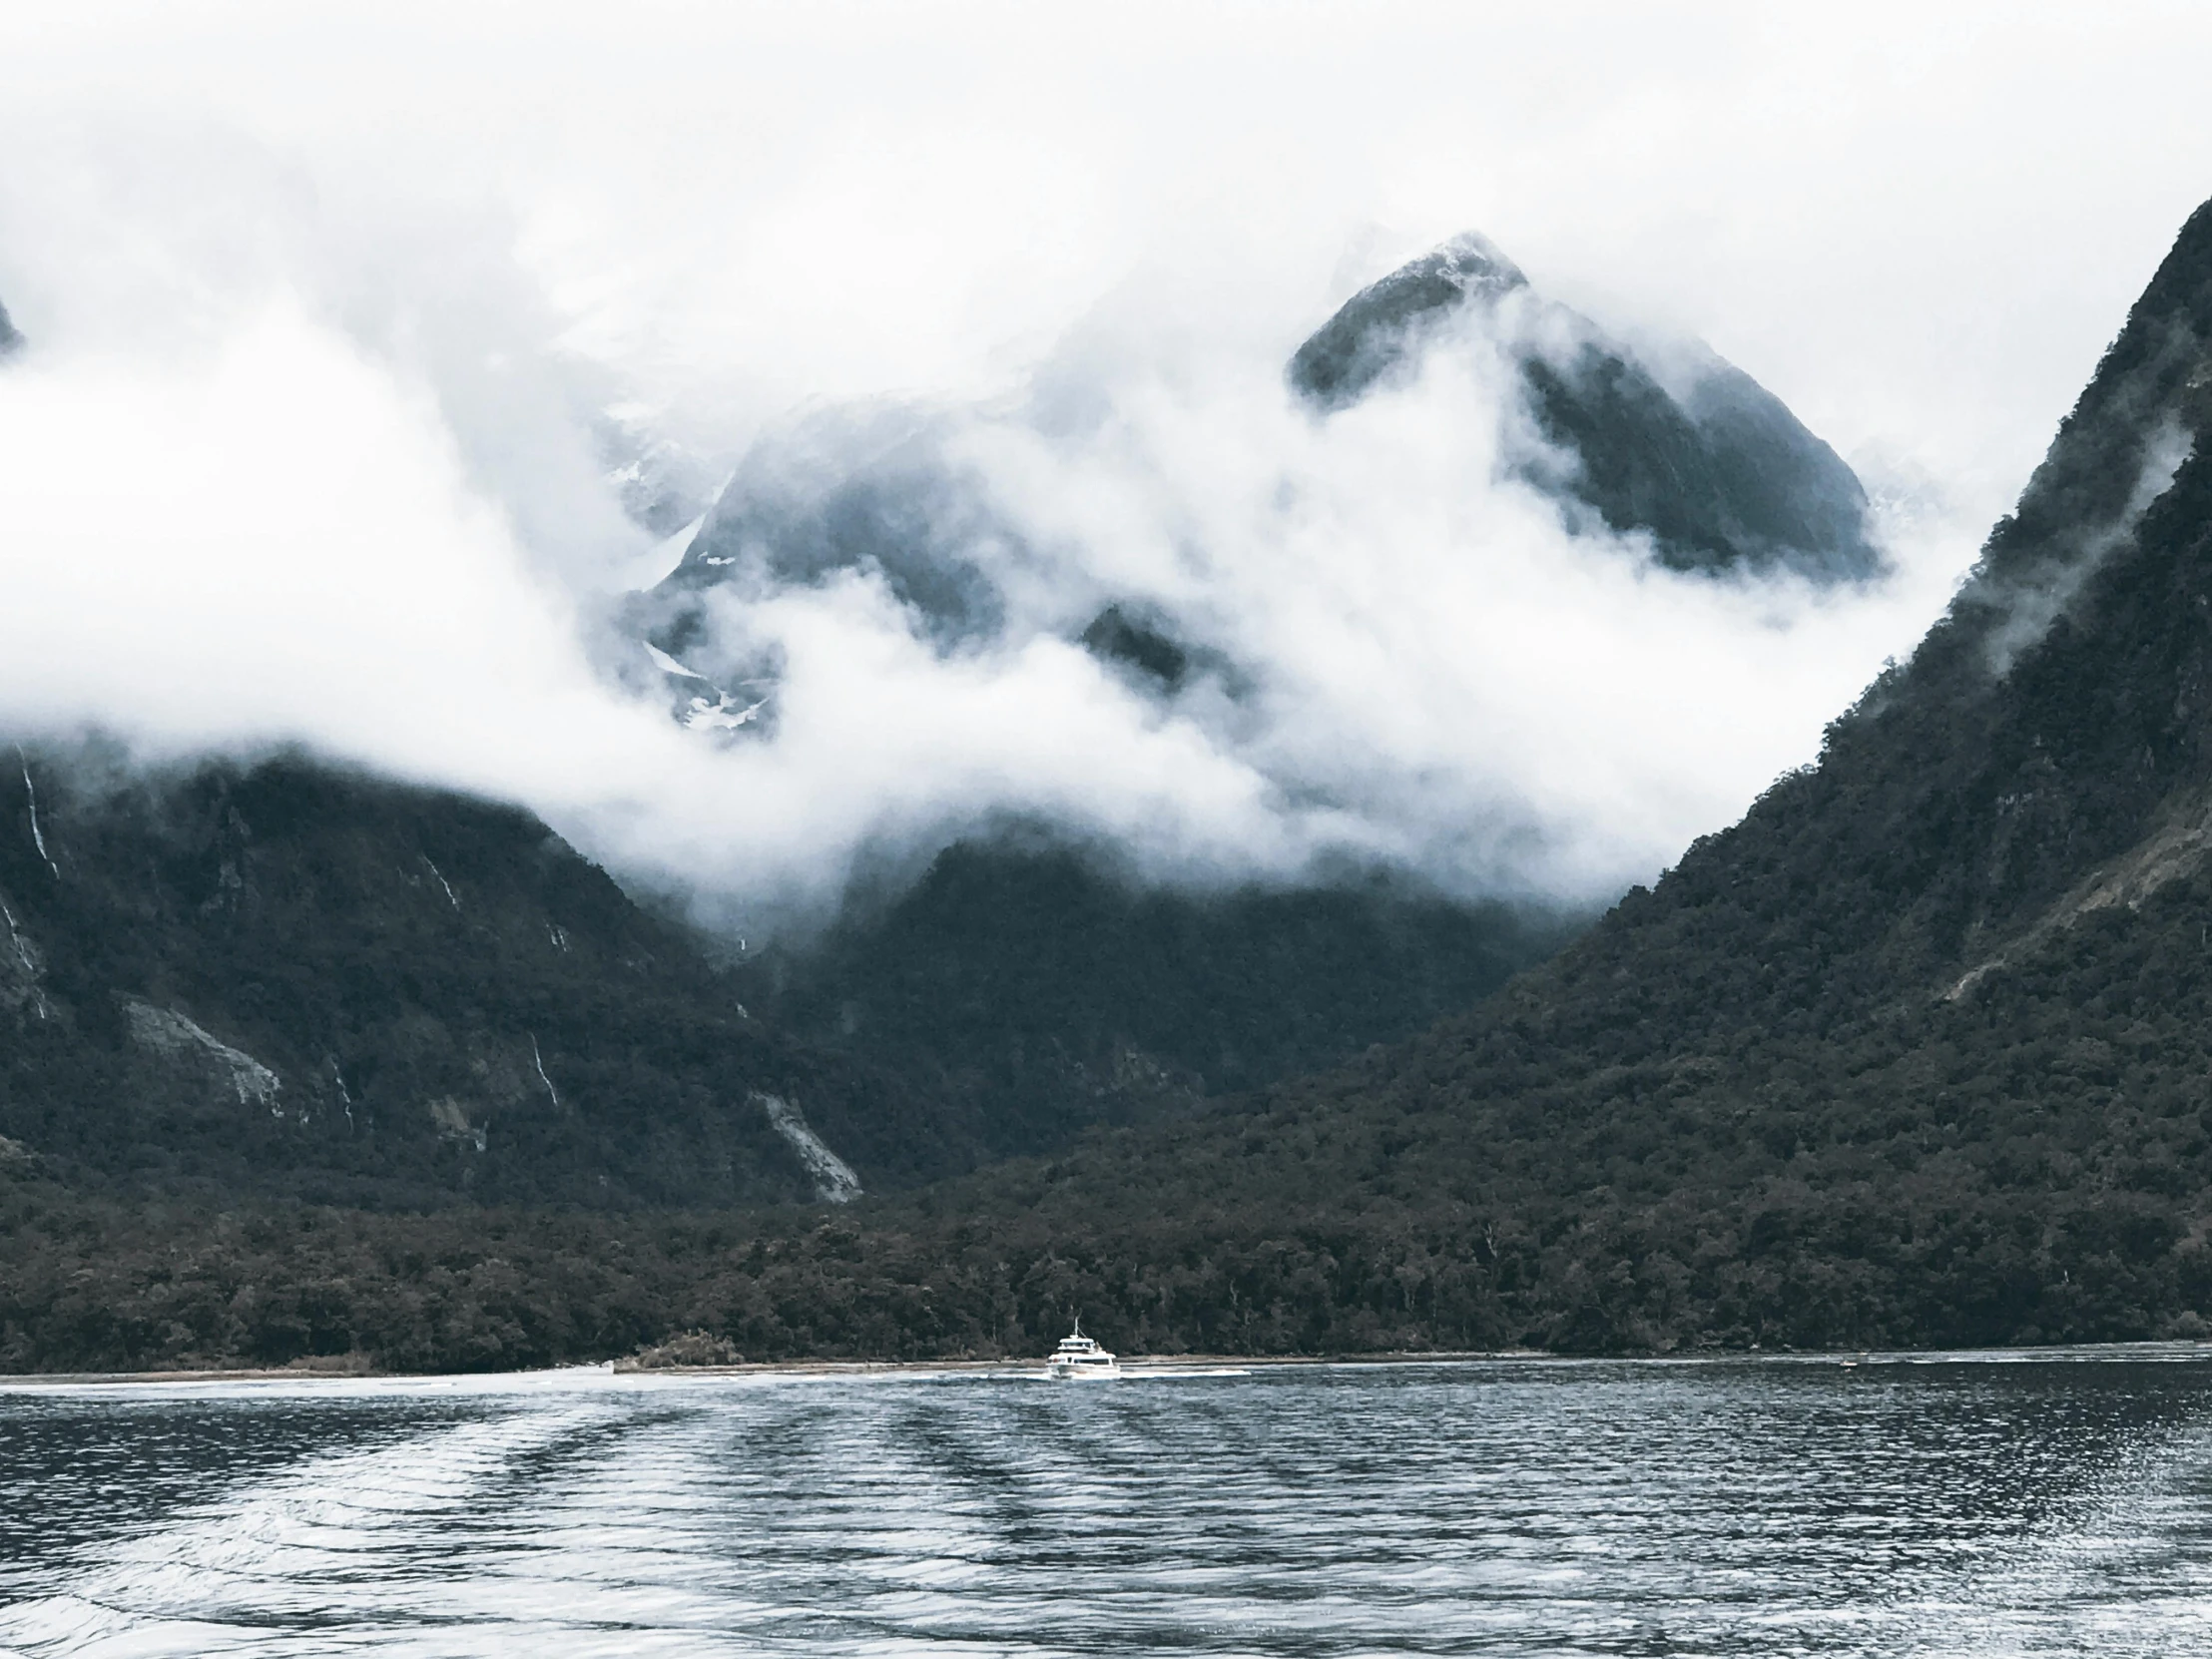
{"x": 1137, "y": 1368}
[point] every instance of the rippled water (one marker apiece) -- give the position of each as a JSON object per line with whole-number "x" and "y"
{"x": 2044, "y": 1504}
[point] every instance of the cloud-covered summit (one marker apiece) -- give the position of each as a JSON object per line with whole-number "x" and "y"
{"x": 1387, "y": 604}
{"x": 310, "y": 443}
{"x": 1706, "y": 471}
{"x": 1684, "y": 446}
{"x": 1380, "y": 326}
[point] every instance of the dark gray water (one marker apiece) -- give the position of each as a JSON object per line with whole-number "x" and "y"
{"x": 2039, "y": 1505}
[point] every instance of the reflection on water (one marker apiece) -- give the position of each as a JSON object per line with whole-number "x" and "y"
{"x": 2043, "y": 1505}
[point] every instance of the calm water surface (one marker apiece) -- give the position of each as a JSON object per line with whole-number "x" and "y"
{"x": 2044, "y": 1505}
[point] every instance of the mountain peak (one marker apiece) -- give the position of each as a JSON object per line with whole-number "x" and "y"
{"x": 1368, "y": 335}
{"x": 1471, "y": 261}
{"x": 1717, "y": 472}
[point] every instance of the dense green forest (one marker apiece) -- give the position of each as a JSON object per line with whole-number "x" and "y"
{"x": 2025, "y": 1164}
{"x": 1034, "y": 990}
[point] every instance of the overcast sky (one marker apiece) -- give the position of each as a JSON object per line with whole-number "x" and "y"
{"x": 325, "y": 302}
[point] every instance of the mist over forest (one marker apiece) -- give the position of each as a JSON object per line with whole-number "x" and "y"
{"x": 382, "y": 444}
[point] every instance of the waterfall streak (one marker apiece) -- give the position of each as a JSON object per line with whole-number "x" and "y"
{"x": 30, "y": 794}
{"x": 538, "y": 1060}
{"x": 446, "y": 885}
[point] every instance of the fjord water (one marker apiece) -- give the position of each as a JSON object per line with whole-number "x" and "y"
{"x": 1960, "y": 1505}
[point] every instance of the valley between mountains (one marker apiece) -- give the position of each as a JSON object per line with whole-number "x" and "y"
{"x": 299, "y": 1064}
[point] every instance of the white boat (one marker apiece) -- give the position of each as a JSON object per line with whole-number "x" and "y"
{"x": 1080, "y": 1359}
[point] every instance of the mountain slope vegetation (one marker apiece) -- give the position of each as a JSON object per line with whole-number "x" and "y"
{"x": 1035, "y": 990}
{"x": 284, "y": 979}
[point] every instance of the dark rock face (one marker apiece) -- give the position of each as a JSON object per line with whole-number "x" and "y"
{"x": 1145, "y": 648}
{"x": 290, "y": 980}
{"x": 11, "y": 340}
{"x": 1717, "y": 470}
{"x": 846, "y": 493}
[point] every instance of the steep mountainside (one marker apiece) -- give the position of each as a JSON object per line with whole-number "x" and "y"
{"x": 287, "y": 980}
{"x": 1034, "y": 991}
{"x": 1715, "y": 467}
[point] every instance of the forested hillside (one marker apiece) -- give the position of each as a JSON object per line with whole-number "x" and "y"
{"x": 287, "y": 981}
{"x": 1035, "y": 990}
{"x": 1916, "y": 1053}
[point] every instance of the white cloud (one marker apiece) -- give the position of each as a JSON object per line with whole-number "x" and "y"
{"x": 324, "y": 303}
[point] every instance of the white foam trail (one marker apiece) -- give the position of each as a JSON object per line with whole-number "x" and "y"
{"x": 336, "y": 1543}
{"x": 2128, "y": 1570}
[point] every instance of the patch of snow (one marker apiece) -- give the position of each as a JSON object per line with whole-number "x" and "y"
{"x": 668, "y": 665}
{"x": 669, "y": 552}
{"x": 835, "y": 1182}
{"x": 720, "y": 715}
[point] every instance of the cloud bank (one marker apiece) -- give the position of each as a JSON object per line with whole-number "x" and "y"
{"x": 341, "y": 335}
